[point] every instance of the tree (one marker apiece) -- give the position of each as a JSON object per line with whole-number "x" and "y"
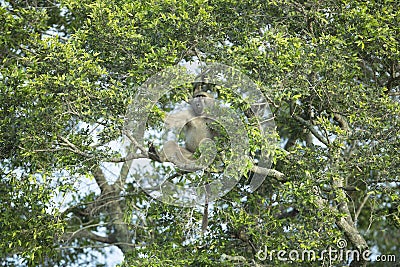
{"x": 70, "y": 70}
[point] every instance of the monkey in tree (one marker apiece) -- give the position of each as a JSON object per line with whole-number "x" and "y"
{"x": 196, "y": 130}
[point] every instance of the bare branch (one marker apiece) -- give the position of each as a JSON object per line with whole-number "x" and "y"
{"x": 394, "y": 93}
{"x": 124, "y": 159}
{"x": 366, "y": 197}
{"x": 124, "y": 174}
{"x": 85, "y": 233}
{"x": 136, "y": 144}
{"x": 91, "y": 246}
{"x": 102, "y": 181}
{"x": 310, "y": 127}
{"x": 269, "y": 172}
{"x": 70, "y": 146}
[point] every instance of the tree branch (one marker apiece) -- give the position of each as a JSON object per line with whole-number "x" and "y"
{"x": 269, "y": 172}
{"x": 365, "y": 199}
{"x": 101, "y": 181}
{"x": 70, "y": 146}
{"x": 136, "y": 144}
{"x": 348, "y": 229}
{"x": 85, "y": 233}
{"x": 337, "y": 184}
{"x": 311, "y": 128}
{"x": 122, "y": 233}
{"x": 394, "y": 93}
{"x": 193, "y": 166}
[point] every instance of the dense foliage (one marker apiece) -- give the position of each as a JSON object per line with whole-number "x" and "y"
{"x": 69, "y": 69}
